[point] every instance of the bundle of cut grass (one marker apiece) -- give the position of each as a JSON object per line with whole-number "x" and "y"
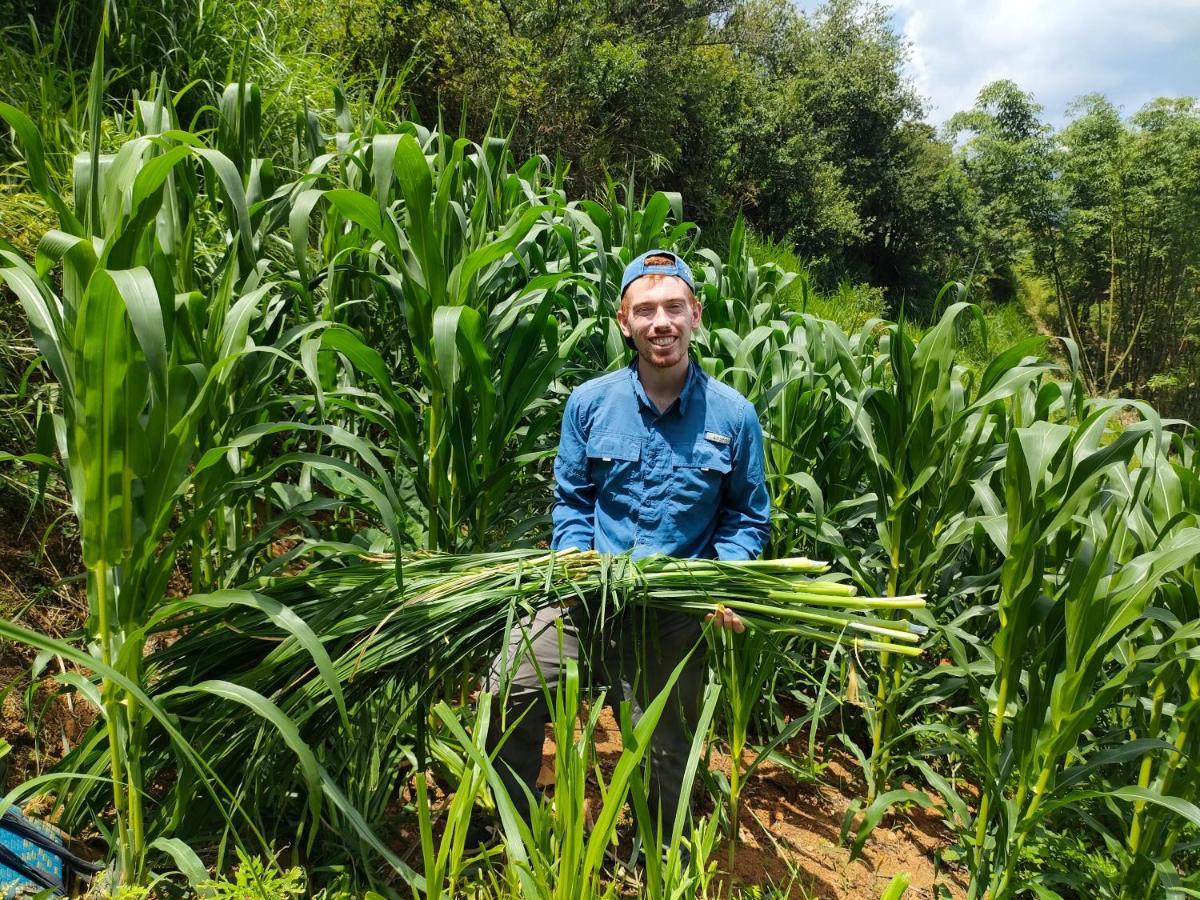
{"x": 783, "y": 596}
{"x": 438, "y": 625}
{"x": 323, "y": 645}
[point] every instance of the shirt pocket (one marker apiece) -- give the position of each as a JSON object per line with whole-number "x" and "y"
{"x": 700, "y": 470}
{"x": 613, "y": 459}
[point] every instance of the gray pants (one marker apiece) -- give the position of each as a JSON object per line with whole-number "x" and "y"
{"x": 635, "y": 654}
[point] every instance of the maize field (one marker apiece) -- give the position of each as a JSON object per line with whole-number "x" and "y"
{"x": 327, "y": 389}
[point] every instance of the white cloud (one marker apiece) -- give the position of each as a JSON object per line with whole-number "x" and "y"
{"x": 1130, "y": 51}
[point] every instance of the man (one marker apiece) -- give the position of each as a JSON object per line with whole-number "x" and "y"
{"x": 654, "y": 458}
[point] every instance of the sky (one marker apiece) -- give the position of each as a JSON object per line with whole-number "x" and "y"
{"x": 1129, "y": 51}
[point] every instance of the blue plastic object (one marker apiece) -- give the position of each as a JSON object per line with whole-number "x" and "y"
{"x": 33, "y": 856}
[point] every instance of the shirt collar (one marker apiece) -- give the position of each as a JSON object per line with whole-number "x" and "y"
{"x": 694, "y": 376}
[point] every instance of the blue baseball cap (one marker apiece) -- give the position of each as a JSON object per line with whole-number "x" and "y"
{"x": 638, "y": 268}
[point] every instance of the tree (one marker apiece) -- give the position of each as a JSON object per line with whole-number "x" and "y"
{"x": 784, "y": 176}
{"x": 931, "y": 232}
{"x": 1008, "y": 156}
{"x": 831, "y": 154}
{"x": 1108, "y": 211}
{"x": 1149, "y": 329}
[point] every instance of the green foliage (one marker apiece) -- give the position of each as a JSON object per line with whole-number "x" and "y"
{"x": 1008, "y": 159}
{"x": 254, "y": 367}
{"x": 1050, "y": 855}
{"x": 1104, "y": 210}
{"x": 47, "y": 51}
{"x": 849, "y": 305}
{"x": 804, "y": 124}
{"x": 131, "y": 892}
{"x": 256, "y": 877}
{"x": 556, "y": 854}
{"x": 896, "y": 888}
{"x": 801, "y": 122}
{"x": 1007, "y": 324}
{"x": 146, "y": 344}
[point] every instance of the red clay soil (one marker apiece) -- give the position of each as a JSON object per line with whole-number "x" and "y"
{"x": 791, "y": 825}
{"x": 789, "y": 832}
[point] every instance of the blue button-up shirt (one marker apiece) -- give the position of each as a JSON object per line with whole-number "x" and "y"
{"x": 687, "y": 482}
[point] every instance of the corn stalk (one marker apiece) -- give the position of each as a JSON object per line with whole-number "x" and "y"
{"x": 1074, "y": 589}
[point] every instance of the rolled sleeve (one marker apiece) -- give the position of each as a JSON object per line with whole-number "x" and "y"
{"x": 574, "y": 513}
{"x": 744, "y": 522}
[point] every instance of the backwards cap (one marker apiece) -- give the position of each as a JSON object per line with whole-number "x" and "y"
{"x": 638, "y": 268}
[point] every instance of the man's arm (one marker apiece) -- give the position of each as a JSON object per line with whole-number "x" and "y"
{"x": 574, "y": 494}
{"x": 744, "y": 521}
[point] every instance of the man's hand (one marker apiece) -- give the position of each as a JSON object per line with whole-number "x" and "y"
{"x": 724, "y": 617}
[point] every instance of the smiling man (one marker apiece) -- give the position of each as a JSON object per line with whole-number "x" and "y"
{"x": 654, "y": 458}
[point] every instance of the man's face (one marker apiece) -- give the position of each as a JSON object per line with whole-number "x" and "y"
{"x": 659, "y": 314}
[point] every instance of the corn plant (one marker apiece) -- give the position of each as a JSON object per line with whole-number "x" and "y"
{"x": 1166, "y": 726}
{"x": 815, "y": 464}
{"x": 745, "y": 665}
{"x": 877, "y": 429}
{"x": 1074, "y": 589}
{"x": 931, "y": 438}
{"x": 738, "y": 294}
{"x": 130, "y": 412}
{"x": 444, "y": 235}
{"x": 145, "y": 363}
{"x": 1165, "y": 739}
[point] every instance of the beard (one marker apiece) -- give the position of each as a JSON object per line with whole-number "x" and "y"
{"x": 663, "y": 357}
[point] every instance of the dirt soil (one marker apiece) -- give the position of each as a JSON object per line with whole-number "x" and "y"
{"x": 789, "y": 825}
{"x": 40, "y": 723}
